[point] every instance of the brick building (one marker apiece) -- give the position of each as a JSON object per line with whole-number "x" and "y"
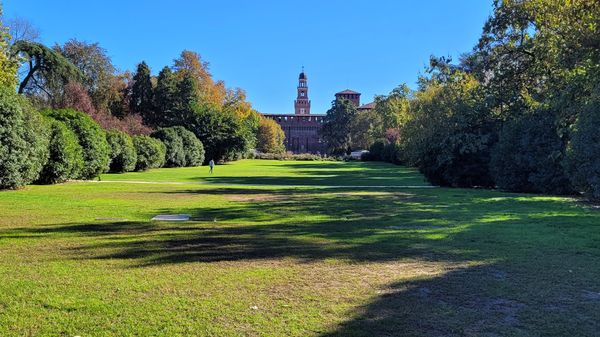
{"x": 302, "y": 128}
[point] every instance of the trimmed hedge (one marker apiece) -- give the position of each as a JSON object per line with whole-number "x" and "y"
{"x": 175, "y": 156}
{"x": 65, "y": 159}
{"x": 91, "y": 138}
{"x": 23, "y": 141}
{"x": 193, "y": 148}
{"x": 122, "y": 155}
{"x": 150, "y": 152}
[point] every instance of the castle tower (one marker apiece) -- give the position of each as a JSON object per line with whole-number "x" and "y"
{"x": 302, "y": 103}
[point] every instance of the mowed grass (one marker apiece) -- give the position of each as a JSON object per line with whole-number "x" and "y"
{"x": 275, "y": 172}
{"x": 84, "y": 259}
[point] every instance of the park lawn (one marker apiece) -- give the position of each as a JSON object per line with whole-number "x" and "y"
{"x": 83, "y": 258}
{"x": 278, "y": 172}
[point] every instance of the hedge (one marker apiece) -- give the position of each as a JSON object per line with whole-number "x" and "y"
{"x": 91, "y": 138}
{"x": 65, "y": 159}
{"x": 175, "y": 156}
{"x": 150, "y": 152}
{"x": 193, "y": 148}
{"x": 23, "y": 141}
{"x": 123, "y": 156}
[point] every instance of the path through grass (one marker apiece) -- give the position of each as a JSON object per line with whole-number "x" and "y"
{"x": 84, "y": 259}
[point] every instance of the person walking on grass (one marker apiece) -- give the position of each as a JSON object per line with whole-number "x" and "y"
{"x": 211, "y": 164}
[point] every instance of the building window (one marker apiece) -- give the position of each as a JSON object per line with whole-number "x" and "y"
{"x": 302, "y": 94}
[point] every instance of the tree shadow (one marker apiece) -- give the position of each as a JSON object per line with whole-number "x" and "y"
{"x": 517, "y": 251}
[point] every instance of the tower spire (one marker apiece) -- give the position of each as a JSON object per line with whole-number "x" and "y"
{"x": 302, "y": 103}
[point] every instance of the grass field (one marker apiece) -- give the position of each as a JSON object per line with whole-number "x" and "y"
{"x": 84, "y": 259}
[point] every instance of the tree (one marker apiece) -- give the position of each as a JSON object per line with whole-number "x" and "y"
{"x": 222, "y": 134}
{"x": 165, "y": 98}
{"x": 47, "y": 70}
{"x": 270, "y": 137}
{"x": 95, "y": 67}
{"x": 142, "y": 92}
{"x": 23, "y": 140}
{"x": 337, "y": 125}
{"x": 8, "y": 66}
{"x": 208, "y": 91}
{"x": 528, "y": 156}
{"x": 22, "y": 30}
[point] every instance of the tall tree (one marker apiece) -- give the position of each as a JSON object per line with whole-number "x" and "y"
{"x": 142, "y": 93}
{"x": 165, "y": 96}
{"x": 47, "y": 70}
{"x": 337, "y": 126}
{"x": 209, "y": 92}
{"x": 96, "y": 69}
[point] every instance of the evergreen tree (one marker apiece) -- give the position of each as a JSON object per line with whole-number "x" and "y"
{"x": 186, "y": 100}
{"x": 165, "y": 96}
{"x": 141, "y": 93}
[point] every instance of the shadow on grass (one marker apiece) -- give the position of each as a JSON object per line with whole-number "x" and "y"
{"x": 330, "y": 173}
{"x": 530, "y": 263}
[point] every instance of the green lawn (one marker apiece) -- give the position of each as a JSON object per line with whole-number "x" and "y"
{"x": 84, "y": 259}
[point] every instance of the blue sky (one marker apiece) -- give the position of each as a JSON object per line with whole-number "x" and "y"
{"x": 261, "y": 45}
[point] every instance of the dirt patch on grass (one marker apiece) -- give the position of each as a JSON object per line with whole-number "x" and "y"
{"x": 257, "y": 197}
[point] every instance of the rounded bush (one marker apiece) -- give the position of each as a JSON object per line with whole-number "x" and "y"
{"x": 122, "y": 152}
{"x": 175, "y": 154}
{"x": 65, "y": 158}
{"x": 150, "y": 152}
{"x": 91, "y": 138}
{"x": 528, "y": 155}
{"x": 192, "y": 146}
{"x": 23, "y": 141}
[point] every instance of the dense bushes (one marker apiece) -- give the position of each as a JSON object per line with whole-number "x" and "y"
{"x": 123, "y": 156}
{"x": 24, "y": 141}
{"x": 192, "y": 147}
{"x": 175, "y": 156}
{"x": 528, "y": 156}
{"x": 150, "y": 152}
{"x": 91, "y": 138}
{"x": 65, "y": 158}
{"x": 583, "y": 154}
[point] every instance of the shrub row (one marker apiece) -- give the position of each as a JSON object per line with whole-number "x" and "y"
{"x": 292, "y": 156}
{"x": 64, "y": 144}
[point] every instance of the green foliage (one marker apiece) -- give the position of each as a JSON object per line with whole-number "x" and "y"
{"x": 95, "y": 66}
{"x": 8, "y": 66}
{"x": 141, "y": 100}
{"x": 270, "y": 137}
{"x": 91, "y": 138}
{"x": 450, "y": 134}
{"x": 337, "y": 126}
{"x": 175, "y": 156}
{"x": 192, "y": 146}
{"x": 23, "y": 141}
{"x": 122, "y": 155}
{"x": 165, "y": 97}
{"x": 528, "y": 156}
{"x": 150, "y": 152}
{"x": 583, "y": 155}
{"x": 222, "y": 134}
{"x": 48, "y": 71}
{"x": 65, "y": 160}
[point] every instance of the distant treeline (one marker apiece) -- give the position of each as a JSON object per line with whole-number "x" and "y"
{"x": 520, "y": 112}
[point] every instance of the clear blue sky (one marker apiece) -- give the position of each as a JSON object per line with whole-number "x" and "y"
{"x": 260, "y": 45}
